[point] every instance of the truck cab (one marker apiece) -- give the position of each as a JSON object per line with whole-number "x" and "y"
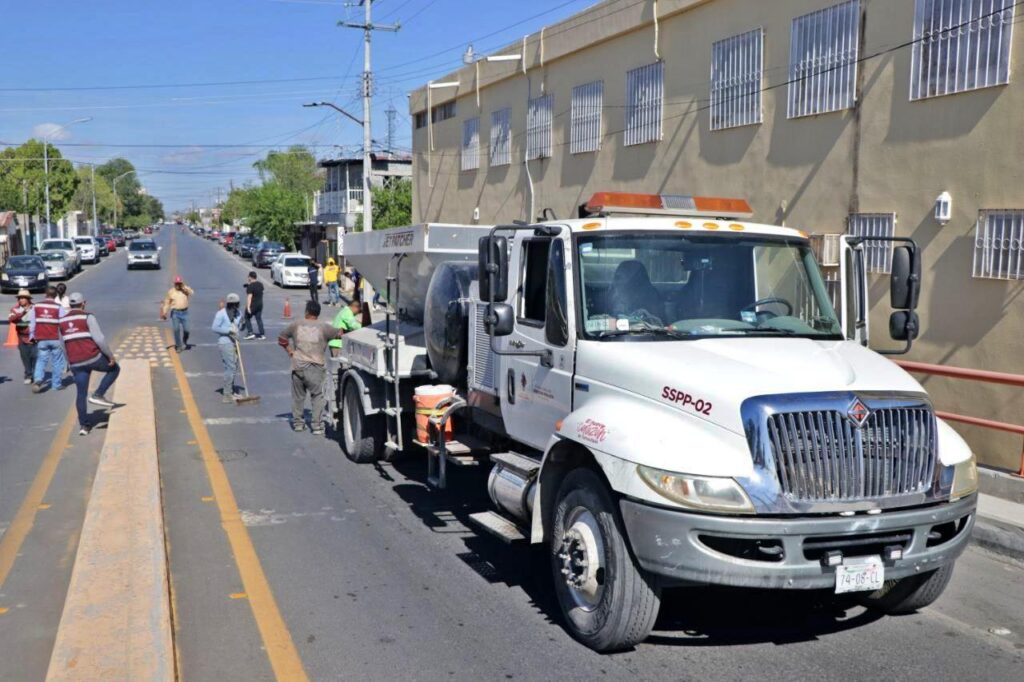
{"x": 670, "y": 395}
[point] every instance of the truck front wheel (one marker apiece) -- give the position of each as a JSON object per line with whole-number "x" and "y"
{"x": 908, "y": 595}
{"x": 362, "y": 434}
{"x": 608, "y": 601}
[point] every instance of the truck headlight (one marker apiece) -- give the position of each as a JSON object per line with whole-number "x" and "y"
{"x": 698, "y": 492}
{"x": 965, "y": 478}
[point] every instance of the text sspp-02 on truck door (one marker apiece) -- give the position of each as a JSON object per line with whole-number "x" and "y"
{"x": 676, "y": 396}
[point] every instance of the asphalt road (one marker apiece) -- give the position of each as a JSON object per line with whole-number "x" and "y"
{"x": 373, "y": 575}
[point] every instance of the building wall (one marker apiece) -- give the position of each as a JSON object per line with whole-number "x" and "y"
{"x": 886, "y": 155}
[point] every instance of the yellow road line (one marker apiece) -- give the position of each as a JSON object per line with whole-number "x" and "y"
{"x": 277, "y": 640}
{"x": 16, "y": 533}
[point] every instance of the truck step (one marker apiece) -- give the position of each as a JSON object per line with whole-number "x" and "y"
{"x": 498, "y": 526}
{"x": 518, "y": 463}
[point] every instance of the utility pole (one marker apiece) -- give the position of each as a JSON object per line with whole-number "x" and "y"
{"x": 391, "y": 113}
{"x": 368, "y": 28}
{"x": 95, "y": 219}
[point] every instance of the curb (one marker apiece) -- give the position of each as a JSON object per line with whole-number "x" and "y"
{"x": 1001, "y": 538}
{"x": 116, "y": 622}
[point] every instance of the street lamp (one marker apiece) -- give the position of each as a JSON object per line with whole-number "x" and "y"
{"x": 367, "y": 195}
{"x": 114, "y": 183}
{"x": 46, "y": 165}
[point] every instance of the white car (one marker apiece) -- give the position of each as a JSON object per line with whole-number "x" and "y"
{"x": 58, "y": 265}
{"x": 143, "y": 253}
{"x": 68, "y": 246}
{"x": 87, "y": 248}
{"x": 290, "y": 270}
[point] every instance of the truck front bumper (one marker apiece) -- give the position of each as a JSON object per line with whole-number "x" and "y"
{"x": 786, "y": 553}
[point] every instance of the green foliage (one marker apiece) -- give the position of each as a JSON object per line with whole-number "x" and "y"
{"x": 22, "y": 179}
{"x": 294, "y": 170}
{"x": 82, "y": 200}
{"x": 272, "y": 210}
{"x": 392, "y": 206}
{"x": 193, "y": 217}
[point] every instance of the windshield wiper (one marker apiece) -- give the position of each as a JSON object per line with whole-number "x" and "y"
{"x": 645, "y": 329}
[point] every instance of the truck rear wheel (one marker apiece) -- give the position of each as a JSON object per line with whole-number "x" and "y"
{"x": 609, "y": 602}
{"x": 908, "y": 595}
{"x": 362, "y": 435}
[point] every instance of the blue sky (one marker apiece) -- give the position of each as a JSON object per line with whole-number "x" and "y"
{"x": 60, "y": 56}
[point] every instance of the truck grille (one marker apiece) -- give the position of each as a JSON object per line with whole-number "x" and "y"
{"x": 822, "y": 456}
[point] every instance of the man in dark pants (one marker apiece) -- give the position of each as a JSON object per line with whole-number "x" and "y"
{"x": 253, "y": 307}
{"x": 313, "y": 272}
{"x": 306, "y": 343}
{"x": 87, "y": 352}
{"x": 19, "y": 318}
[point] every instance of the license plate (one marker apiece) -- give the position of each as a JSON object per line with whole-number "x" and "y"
{"x": 860, "y": 574}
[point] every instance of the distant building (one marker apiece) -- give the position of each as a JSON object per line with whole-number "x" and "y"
{"x": 857, "y": 116}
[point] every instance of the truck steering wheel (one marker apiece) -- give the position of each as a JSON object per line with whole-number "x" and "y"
{"x": 752, "y": 308}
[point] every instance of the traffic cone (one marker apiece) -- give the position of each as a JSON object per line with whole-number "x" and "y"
{"x": 12, "y": 336}
{"x": 287, "y": 309}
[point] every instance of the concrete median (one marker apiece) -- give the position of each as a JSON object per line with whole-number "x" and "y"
{"x": 116, "y": 623}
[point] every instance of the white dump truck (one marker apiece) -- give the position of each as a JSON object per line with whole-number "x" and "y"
{"x": 665, "y": 395}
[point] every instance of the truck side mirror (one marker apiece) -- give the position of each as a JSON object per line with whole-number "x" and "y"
{"x": 904, "y": 325}
{"x": 905, "y": 286}
{"x": 493, "y": 261}
{"x": 500, "y": 319}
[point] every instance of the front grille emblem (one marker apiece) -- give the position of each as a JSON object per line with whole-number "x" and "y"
{"x": 858, "y": 413}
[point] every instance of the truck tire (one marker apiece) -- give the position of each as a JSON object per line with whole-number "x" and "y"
{"x": 908, "y": 595}
{"x": 609, "y": 602}
{"x": 362, "y": 435}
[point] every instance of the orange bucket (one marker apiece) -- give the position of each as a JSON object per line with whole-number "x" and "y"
{"x": 426, "y": 399}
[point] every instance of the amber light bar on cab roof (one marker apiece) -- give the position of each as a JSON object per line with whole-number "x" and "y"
{"x": 668, "y": 204}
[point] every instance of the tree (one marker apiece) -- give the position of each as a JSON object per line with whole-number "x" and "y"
{"x": 272, "y": 211}
{"x": 294, "y": 170}
{"x": 22, "y": 179}
{"x": 392, "y": 206}
{"x": 82, "y": 200}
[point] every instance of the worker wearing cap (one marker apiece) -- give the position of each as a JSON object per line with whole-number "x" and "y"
{"x": 225, "y": 325}
{"x": 176, "y": 305}
{"x": 87, "y": 352}
{"x": 19, "y": 318}
{"x": 44, "y": 331}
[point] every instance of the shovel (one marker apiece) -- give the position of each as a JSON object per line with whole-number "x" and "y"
{"x": 244, "y": 399}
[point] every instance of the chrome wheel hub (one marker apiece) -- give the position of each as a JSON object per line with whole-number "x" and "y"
{"x": 582, "y": 558}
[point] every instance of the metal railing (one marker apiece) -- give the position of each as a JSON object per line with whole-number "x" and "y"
{"x": 973, "y": 375}
{"x": 338, "y": 202}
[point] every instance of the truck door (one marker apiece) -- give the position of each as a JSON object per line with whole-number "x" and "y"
{"x": 536, "y": 391}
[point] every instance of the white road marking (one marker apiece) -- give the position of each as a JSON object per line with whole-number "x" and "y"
{"x": 229, "y": 421}
{"x": 193, "y": 375}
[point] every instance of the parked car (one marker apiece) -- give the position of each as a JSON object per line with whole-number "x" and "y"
{"x": 213, "y": 235}
{"x": 24, "y": 272}
{"x": 131, "y": 233}
{"x": 101, "y": 246}
{"x": 266, "y": 253}
{"x": 147, "y": 230}
{"x": 111, "y": 243}
{"x": 143, "y": 253}
{"x": 290, "y": 270}
{"x": 228, "y": 240}
{"x": 119, "y": 236}
{"x": 57, "y": 264}
{"x": 244, "y": 247}
{"x": 87, "y": 248}
{"x": 66, "y": 245}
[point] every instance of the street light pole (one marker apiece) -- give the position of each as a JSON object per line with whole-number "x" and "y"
{"x": 46, "y": 166}
{"x": 95, "y": 219}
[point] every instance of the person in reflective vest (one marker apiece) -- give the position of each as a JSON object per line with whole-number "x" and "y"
{"x": 19, "y": 318}
{"x": 87, "y": 352}
{"x": 43, "y": 330}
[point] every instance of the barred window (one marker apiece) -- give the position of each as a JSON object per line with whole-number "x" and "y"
{"x": 585, "y": 117}
{"x": 824, "y": 47}
{"x": 501, "y": 142}
{"x": 737, "y": 64}
{"x": 645, "y": 93}
{"x": 538, "y": 127}
{"x": 999, "y": 245}
{"x": 442, "y": 112}
{"x": 471, "y": 144}
{"x": 877, "y": 254}
{"x": 960, "y": 45}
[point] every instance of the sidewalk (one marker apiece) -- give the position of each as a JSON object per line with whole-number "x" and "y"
{"x": 1000, "y": 521}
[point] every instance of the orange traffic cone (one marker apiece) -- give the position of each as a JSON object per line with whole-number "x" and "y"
{"x": 287, "y": 309}
{"x": 12, "y": 336}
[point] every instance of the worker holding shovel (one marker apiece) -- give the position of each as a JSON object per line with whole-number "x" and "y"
{"x": 225, "y": 325}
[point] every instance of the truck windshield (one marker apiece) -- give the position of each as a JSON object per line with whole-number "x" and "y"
{"x": 653, "y": 286}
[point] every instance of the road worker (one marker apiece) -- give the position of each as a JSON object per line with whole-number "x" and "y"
{"x": 19, "y": 318}
{"x": 87, "y": 352}
{"x": 44, "y": 331}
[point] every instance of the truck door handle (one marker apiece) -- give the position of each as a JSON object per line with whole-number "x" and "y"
{"x": 511, "y": 388}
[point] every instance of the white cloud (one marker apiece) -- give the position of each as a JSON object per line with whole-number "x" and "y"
{"x": 50, "y": 131}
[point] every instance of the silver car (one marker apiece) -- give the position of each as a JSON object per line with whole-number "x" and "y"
{"x": 67, "y": 246}
{"x": 143, "y": 253}
{"x": 58, "y": 266}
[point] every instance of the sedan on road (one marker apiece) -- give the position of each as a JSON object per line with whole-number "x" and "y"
{"x": 57, "y": 264}
{"x": 24, "y": 272}
{"x": 266, "y": 253}
{"x": 68, "y": 246}
{"x": 101, "y": 246}
{"x": 291, "y": 270}
{"x": 143, "y": 253}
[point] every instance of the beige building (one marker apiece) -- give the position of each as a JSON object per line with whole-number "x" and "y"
{"x": 827, "y": 116}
